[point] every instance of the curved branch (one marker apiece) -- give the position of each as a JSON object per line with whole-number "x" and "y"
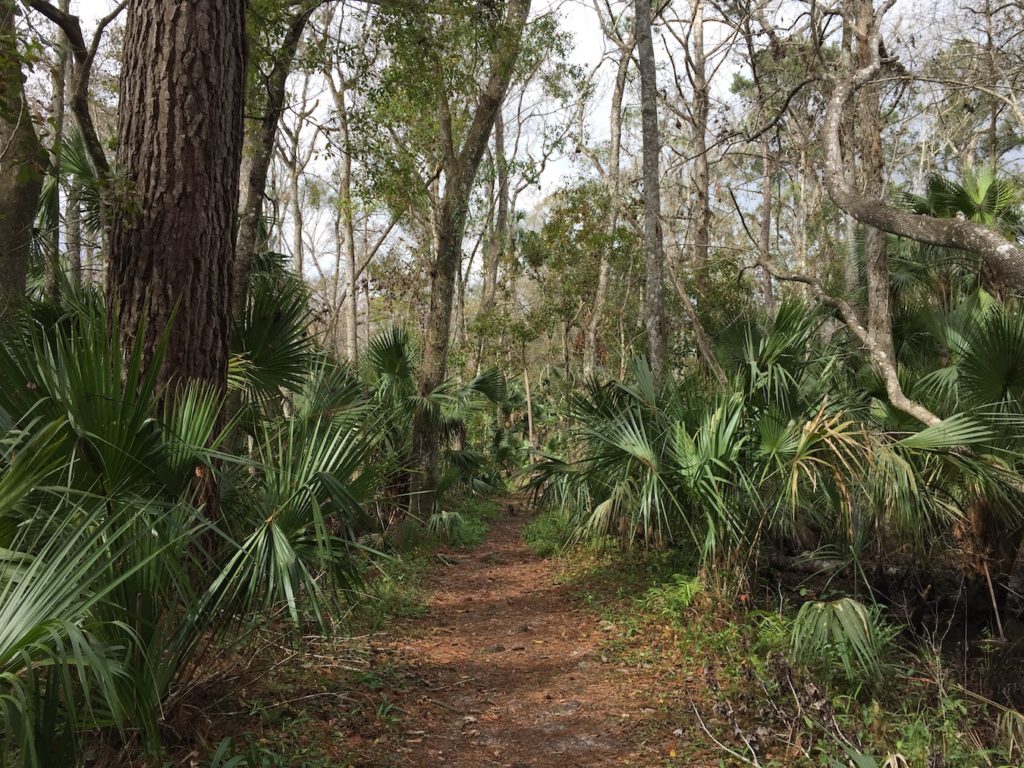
{"x": 84, "y": 56}
{"x": 880, "y": 359}
{"x": 1006, "y": 258}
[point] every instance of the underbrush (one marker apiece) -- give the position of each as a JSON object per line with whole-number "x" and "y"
{"x": 758, "y": 679}
{"x": 548, "y": 533}
{"x": 463, "y": 524}
{"x": 291, "y": 714}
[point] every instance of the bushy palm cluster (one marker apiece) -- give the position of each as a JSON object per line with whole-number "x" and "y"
{"x": 802, "y": 450}
{"x": 143, "y": 530}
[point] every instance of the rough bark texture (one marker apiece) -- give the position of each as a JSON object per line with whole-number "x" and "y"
{"x": 172, "y": 235}
{"x": 868, "y": 138}
{"x": 654, "y": 310}
{"x": 460, "y": 171}
{"x": 258, "y": 152}
{"x": 1002, "y": 256}
{"x": 22, "y": 163}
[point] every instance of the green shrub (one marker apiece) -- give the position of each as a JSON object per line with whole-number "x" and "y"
{"x": 548, "y": 533}
{"x": 843, "y": 635}
{"x": 673, "y": 597}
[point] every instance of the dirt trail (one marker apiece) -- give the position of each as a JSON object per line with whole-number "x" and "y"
{"x": 506, "y": 669}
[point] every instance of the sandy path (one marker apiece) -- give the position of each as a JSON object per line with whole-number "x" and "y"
{"x": 505, "y": 669}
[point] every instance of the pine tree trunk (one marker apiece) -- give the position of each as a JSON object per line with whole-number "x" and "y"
{"x": 173, "y": 236}
{"x": 22, "y": 161}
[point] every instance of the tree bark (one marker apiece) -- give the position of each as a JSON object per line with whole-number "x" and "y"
{"x": 697, "y": 61}
{"x": 613, "y": 181}
{"x": 868, "y": 138}
{"x": 764, "y": 239}
{"x": 173, "y": 234}
{"x": 1002, "y": 256}
{"x": 51, "y": 235}
{"x": 258, "y": 153}
{"x": 499, "y": 235}
{"x": 654, "y": 311}
{"x": 460, "y": 173}
{"x": 22, "y": 163}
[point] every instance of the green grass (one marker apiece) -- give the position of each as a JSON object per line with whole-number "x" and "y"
{"x": 548, "y": 534}
{"x": 465, "y": 521}
{"x": 656, "y": 613}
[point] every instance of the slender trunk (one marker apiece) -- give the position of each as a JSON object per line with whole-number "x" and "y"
{"x": 655, "y": 249}
{"x": 172, "y": 243}
{"x": 73, "y": 217}
{"x": 614, "y": 204}
{"x": 700, "y": 335}
{"x": 460, "y": 173}
{"x": 367, "y": 331}
{"x": 297, "y": 218}
{"x": 765, "y": 234}
{"x": 499, "y": 234}
{"x": 22, "y": 163}
{"x": 701, "y": 170}
{"x": 529, "y": 409}
{"x": 869, "y": 140}
{"x": 260, "y": 135}
{"x": 349, "y": 237}
{"x": 51, "y": 239}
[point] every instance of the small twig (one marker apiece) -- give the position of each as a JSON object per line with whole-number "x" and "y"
{"x": 457, "y": 683}
{"x": 722, "y": 746}
{"x": 287, "y": 701}
{"x": 995, "y": 605}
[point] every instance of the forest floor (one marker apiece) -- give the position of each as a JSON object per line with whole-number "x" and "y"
{"x": 492, "y": 655}
{"x": 509, "y": 659}
{"x": 510, "y": 667}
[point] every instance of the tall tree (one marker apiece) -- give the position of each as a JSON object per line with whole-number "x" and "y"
{"x": 1003, "y": 257}
{"x": 273, "y": 58}
{"x": 461, "y": 161}
{"x": 654, "y": 309}
{"x": 179, "y": 142}
{"x": 22, "y": 163}
{"x": 624, "y": 45}
{"x": 696, "y": 63}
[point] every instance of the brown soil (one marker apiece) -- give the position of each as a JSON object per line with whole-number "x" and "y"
{"x": 506, "y": 668}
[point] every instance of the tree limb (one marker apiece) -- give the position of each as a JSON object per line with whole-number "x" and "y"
{"x": 1003, "y": 256}
{"x": 84, "y": 56}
